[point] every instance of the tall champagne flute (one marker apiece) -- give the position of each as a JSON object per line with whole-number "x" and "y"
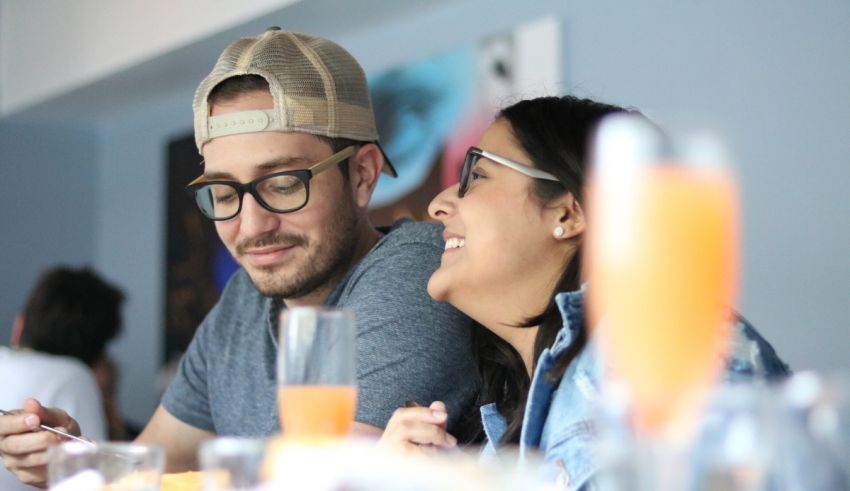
{"x": 662, "y": 264}
{"x": 317, "y": 376}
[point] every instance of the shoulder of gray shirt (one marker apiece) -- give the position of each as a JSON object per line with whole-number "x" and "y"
{"x": 406, "y": 231}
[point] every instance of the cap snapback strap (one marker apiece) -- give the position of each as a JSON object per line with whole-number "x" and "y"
{"x": 243, "y": 122}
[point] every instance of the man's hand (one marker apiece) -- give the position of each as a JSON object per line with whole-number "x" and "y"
{"x": 23, "y": 444}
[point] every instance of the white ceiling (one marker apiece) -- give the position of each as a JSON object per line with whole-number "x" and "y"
{"x": 52, "y": 46}
{"x": 169, "y": 50}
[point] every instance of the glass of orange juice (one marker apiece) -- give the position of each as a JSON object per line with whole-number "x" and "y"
{"x": 317, "y": 377}
{"x": 662, "y": 264}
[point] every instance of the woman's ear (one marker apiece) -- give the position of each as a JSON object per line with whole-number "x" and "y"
{"x": 364, "y": 168}
{"x": 570, "y": 220}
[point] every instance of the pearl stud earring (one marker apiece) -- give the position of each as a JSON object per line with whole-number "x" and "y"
{"x": 558, "y": 232}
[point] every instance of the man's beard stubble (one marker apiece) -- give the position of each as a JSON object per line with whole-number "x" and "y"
{"x": 324, "y": 265}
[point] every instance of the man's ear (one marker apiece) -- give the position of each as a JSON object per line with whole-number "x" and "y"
{"x": 364, "y": 168}
{"x": 17, "y": 331}
{"x": 570, "y": 221}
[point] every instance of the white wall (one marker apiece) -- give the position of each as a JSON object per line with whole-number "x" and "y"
{"x": 771, "y": 77}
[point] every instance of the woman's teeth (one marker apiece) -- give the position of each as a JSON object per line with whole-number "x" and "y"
{"x": 455, "y": 243}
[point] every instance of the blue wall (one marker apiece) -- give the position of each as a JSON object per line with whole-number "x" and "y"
{"x": 130, "y": 244}
{"x": 48, "y": 186}
{"x": 771, "y": 77}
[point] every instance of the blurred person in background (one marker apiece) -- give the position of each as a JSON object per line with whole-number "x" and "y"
{"x": 57, "y": 355}
{"x": 514, "y": 230}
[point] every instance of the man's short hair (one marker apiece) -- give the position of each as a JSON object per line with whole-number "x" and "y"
{"x": 234, "y": 87}
{"x": 72, "y": 312}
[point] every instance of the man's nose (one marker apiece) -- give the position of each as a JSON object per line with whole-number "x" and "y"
{"x": 254, "y": 220}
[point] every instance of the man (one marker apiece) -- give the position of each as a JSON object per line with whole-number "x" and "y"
{"x": 57, "y": 348}
{"x": 286, "y": 129}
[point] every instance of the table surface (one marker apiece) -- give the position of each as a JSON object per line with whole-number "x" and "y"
{"x": 183, "y": 481}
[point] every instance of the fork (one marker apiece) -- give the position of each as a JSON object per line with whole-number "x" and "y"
{"x": 54, "y": 430}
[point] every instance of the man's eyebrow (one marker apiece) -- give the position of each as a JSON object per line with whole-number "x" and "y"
{"x": 264, "y": 168}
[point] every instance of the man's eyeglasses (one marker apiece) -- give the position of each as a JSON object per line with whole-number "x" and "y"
{"x": 281, "y": 192}
{"x": 475, "y": 153}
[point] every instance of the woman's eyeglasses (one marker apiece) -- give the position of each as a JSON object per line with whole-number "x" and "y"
{"x": 475, "y": 153}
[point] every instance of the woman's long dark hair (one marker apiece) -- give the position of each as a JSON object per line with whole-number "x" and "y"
{"x": 554, "y": 132}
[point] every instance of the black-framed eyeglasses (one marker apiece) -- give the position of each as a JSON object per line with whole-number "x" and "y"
{"x": 475, "y": 153}
{"x": 281, "y": 192}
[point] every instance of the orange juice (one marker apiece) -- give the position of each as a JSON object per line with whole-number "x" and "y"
{"x": 316, "y": 410}
{"x": 663, "y": 272}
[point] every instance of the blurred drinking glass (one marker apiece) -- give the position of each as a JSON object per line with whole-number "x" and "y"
{"x": 232, "y": 464}
{"x": 635, "y": 460}
{"x": 317, "y": 376}
{"x": 75, "y": 466}
{"x": 814, "y": 433}
{"x": 662, "y": 264}
{"x": 736, "y": 449}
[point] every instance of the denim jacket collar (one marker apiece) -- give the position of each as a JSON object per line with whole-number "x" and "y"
{"x": 571, "y": 306}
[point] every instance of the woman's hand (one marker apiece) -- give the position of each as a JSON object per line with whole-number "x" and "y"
{"x": 418, "y": 429}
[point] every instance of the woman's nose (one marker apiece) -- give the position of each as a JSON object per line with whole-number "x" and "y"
{"x": 443, "y": 205}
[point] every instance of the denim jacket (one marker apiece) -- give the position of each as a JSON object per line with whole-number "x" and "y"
{"x": 558, "y": 420}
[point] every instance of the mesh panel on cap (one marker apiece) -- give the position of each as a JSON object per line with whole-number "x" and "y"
{"x": 318, "y": 87}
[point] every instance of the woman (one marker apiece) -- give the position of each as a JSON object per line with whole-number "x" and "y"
{"x": 514, "y": 227}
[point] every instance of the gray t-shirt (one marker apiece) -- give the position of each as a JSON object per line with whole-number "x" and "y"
{"x": 409, "y": 347}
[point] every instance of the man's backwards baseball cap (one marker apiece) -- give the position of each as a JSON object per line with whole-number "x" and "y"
{"x": 317, "y": 87}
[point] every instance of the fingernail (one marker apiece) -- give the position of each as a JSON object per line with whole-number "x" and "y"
{"x": 31, "y": 421}
{"x": 439, "y": 415}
